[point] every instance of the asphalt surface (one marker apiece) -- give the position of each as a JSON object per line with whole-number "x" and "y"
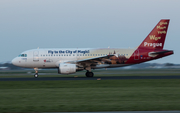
{"x": 87, "y": 78}
{"x": 123, "y": 112}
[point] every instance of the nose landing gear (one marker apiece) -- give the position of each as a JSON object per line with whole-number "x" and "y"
{"x": 36, "y": 73}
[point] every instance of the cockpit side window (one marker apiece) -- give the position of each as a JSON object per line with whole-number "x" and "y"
{"x": 22, "y": 55}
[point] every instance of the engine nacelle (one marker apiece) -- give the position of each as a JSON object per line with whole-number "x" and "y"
{"x": 67, "y": 68}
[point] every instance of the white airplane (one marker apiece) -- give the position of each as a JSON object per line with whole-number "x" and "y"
{"x": 71, "y": 60}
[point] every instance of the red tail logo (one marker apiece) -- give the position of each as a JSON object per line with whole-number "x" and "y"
{"x": 156, "y": 38}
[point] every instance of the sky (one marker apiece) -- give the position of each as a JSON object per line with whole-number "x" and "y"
{"x": 29, "y": 24}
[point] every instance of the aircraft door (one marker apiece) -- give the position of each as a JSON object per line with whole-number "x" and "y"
{"x": 136, "y": 55}
{"x": 77, "y": 55}
{"x": 36, "y": 56}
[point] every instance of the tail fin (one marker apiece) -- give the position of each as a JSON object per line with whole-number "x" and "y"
{"x": 156, "y": 38}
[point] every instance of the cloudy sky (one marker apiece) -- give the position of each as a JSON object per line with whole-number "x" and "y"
{"x": 29, "y": 24}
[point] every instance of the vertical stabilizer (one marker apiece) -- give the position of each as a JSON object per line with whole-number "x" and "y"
{"x": 156, "y": 38}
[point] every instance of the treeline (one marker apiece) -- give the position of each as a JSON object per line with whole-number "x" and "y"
{"x": 10, "y": 66}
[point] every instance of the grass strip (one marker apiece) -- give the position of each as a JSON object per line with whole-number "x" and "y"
{"x": 89, "y": 95}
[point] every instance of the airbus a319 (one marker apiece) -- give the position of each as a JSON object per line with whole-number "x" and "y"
{"x": 71, "y": 60}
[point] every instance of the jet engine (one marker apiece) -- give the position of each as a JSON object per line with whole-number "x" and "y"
{"x": 67, "y": 68}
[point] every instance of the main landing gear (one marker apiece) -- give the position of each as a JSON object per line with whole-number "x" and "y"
{"x": 89, "y": 74}
{"x": 36, "y": 73}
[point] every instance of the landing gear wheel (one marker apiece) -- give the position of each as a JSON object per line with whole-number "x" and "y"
{"x": 89, "y": 74}
{"x": 36, "y": 75}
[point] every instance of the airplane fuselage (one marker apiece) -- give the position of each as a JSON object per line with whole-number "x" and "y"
{"x": 50, "y": 58}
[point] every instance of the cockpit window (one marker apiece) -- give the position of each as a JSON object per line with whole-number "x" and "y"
{"x": 22, "y": 55}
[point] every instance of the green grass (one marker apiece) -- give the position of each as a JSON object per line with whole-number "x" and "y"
{"x": 89, "y": 95}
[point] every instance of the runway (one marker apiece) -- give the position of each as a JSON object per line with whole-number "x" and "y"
{"x": 123, "y": 112}
{"x": 86, "y": 78}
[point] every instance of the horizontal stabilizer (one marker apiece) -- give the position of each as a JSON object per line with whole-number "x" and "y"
{"x": 153, "y": 54}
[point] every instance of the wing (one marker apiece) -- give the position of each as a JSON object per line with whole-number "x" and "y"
{"x": 95, "y": 59}
{"x": 91, "y": 61}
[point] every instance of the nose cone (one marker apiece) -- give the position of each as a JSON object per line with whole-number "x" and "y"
{"x": 14, "y": 61}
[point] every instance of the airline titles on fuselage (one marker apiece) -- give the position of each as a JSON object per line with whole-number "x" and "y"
{"x": 68, "y": 51}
